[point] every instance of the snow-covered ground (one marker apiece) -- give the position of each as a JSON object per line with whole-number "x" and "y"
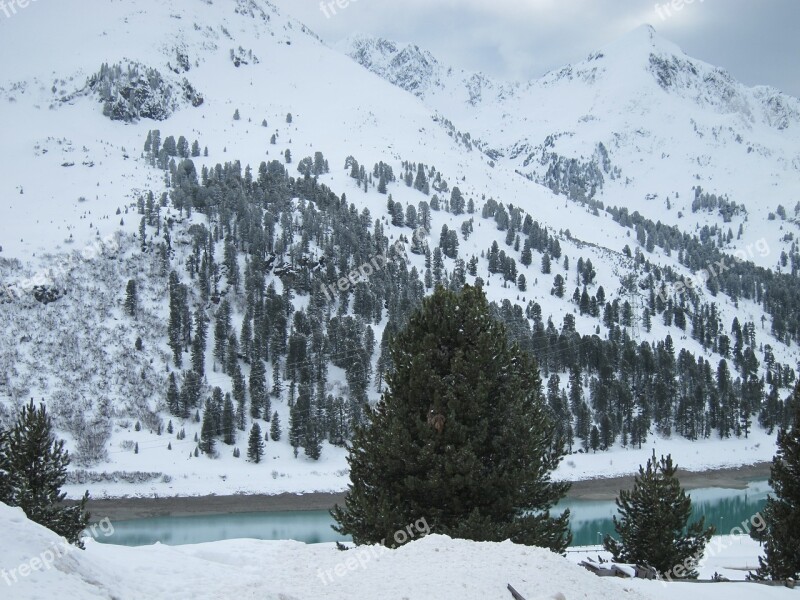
{"x": 282, "y": 472}
{"x": 36, "y": 564}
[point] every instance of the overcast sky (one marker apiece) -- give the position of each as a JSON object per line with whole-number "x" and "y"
{"x": 756, "y": 40}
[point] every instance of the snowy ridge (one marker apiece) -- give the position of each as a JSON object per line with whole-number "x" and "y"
{"x": 639, "y": 96}
{"x": 419, "y": 72}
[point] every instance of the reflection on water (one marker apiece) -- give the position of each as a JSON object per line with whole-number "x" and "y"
{"x": 590, "y": 520}
{"x": 309, "y": 526}
{"x": 723, "y": 508}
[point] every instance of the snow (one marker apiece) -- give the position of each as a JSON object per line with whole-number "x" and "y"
{"x": 342, "y": 109}
{"x": 731, "y": 556}
{"x": 35, "y": 564}
{"x": 700, "y": 455}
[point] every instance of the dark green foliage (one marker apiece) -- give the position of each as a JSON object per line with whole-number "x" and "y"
{"x": 207, "y": 431}
{"x": 131, "y": 300}
{"x": 654, "y": 527}
{"x": 33, "y": 468}
{"x": 546, "y": 264}
{"x": 255, "y": 445}
{"x": 781, "y": 537}
{"x": 228, "y": 422}
{"x": 259, "y": 398}
{"x": 177, "y": 306}
{"x": 199, "y": 342}
{"x": 462, "y": 438}
{"x": 275, "y": 427}
{"x": 173, "y": 395}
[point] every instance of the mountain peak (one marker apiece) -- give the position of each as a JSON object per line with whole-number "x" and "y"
{"x": 641, "y": 42}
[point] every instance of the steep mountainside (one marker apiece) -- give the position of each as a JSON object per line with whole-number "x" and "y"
{"x": 637, "y": 124}
{"x": 211, "y": 218}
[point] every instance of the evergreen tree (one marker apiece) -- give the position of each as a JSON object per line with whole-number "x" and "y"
{"x": 33, "y": 468}
{"x": 654, "y": 527}
{"x": 421, "y": 181}
{"x": 207, "y": 431}
{"x": 312, "y": 442}
{"x": 546, "y": 263}
{"x": 255, "y": 445}
{"x": 131, "y": 300}
{"x": 173, "y": 395}
{"x": 228, "y": 421}
{"x": 275, "y": 427}
{"x": 781, "y": 514}
{"x": 259, "y": 399}
{"x": 221, "y": 330}
{"x": 199, "y": 343}
{"x": 277, "y": 382}
{"x": 174, "y": 330}
{"x": 463, "y": 436}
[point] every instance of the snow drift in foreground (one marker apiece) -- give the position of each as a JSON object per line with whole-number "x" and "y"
{"x": 35, "y": 563}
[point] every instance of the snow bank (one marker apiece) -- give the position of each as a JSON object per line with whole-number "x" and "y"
{"x": 36, "y": 564}
{"x": 432, "y": 567}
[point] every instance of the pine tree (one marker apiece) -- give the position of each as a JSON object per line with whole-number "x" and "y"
{"x": 462, "y": 436}
{"x": 275, "y": 427}
{"x": 173, "y": 395}
{"x": 131, "y": 300}
{"x": 228, "y": 422}
{"x": 259, "y": 399}
{"x": 199, "y": 343}
{"x": 207, "y": 431}
{"x": 33, "y": 468}
{"x": 240, "y": 397}
{"x": 277, "y": 385}
{"x": 781, "y": 514}
{"x": 421, "y": 181}
{"x": 174, "y": 327}
{"x": 654, "y": 527}
{"x": 312, "y": 442}
{"x": 255, "y": 445}
{"x": 222, "y": 327}
{"x": 546, "y": 263}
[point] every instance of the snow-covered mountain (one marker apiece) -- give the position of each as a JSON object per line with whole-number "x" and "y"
{"x": 638, "y": 126}
{"x": 643, "y": 121}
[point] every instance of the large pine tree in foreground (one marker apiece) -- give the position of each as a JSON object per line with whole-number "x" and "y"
{"x": 462, "y": 438}
{"x": 654, "y": 527}
{"x": 781, "y": 513}
{"x": 33, "y": 467}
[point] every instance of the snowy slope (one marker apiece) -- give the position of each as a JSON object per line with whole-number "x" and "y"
{"x": 667, "y": 121}
{"x": 247, "y": 56}
{"x": 36, "y": 564}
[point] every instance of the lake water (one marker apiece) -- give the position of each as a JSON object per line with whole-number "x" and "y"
{"x": 723, "y": 508}
{"x": 590, "y": 520}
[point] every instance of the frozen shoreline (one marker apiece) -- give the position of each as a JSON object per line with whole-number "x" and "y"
{"x": 607, "y": 488}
